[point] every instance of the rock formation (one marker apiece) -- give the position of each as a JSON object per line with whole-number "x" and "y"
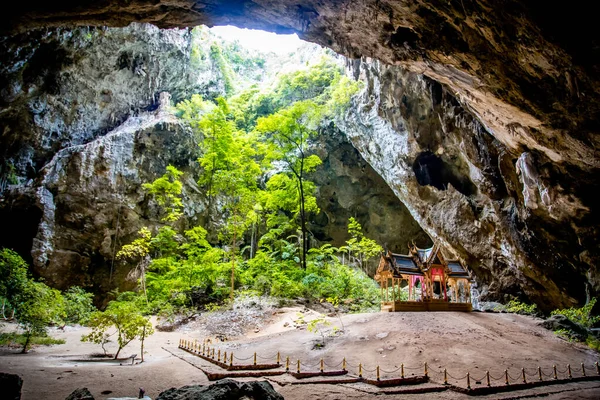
{"x": 512, "y": 216}
{"x": 506, "y": 176}
{"x": 83, "y": 134}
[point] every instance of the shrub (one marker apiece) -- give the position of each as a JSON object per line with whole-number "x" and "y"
{"x": 582, "y": 316}
{"x": 517, "y": 307}
{"x": 78, "y": 305}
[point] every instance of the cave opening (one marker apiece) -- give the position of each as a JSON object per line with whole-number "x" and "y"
{"x": 431, "y": 170}
{"x": 20, "y": 221}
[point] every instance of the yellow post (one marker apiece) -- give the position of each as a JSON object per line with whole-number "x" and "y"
{"x": 298, "y": 367}
{"x": 569, "y": 370}
{"x": 213, "y": 353}
{"x": 278, "y": 358}
{"x": 540, "y": 373}
{"x": 287, "y": 364}
{"x": 203, "y": 349}
{"x": 322, "y": 366}
{"x": 487, "y": 378}
{"x": 344, "y": 364}
{"x": 254, "y": 358}
{"x": 231, "y": 359}
{"x": 506, "y": 382}
{"x": 468, "y": 381}
{"x": 225, "y": 358}
{"x": 402, "y": 371}
{"x": 583, "y": 369}
{"x": 360, "y": 370}
{"x": 378, "y": 372}
{"x": 555, "y": 375}
{"x": 523, "y": 374}
{"x": 426, "y": 370}
{"x": 445, "y": 377}
{"x": 219, "y": 355}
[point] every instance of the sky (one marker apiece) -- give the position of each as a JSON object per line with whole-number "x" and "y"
{"x": 259, "y": 40}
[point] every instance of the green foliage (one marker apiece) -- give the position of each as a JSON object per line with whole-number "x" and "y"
{"x": 125, "y": 318}
{"x": 566, "y": 334}
{"x": 139, "y": 248}
{"x": 167, "y": 192}
{"x": 13, "y": 275}
{"x": 318, "y": 325}
{"x": 78, "y": 305}
{"x": 216, "y": 54}
{"x": 582, "y": 315}
{"x": 19, "y": 339}
{"x": 359, "y": 247}
{"x": 37, "y": 306}
{"x": 593, "y": 342}
{"x": 517, "y": 307}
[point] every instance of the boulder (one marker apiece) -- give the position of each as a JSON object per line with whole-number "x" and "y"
{"x": 80, "y": 394}
{"x": 225, "y": 389}
{"x": 559, "y": 321}
{"x": 11, "y": 386}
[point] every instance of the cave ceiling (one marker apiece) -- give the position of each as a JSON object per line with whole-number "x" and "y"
{"x": 527, "y": 69}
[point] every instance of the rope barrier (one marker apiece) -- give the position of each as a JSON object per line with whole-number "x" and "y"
{"x": 334, "y": 366}
{"x": 492, "y": 377}
{"x": 243, "y": 359}
{"x": 539, "y": 373}
{"x": 269, "y": 357}
{"x": 455, "y": 378}
{"x": 390, "y": 372}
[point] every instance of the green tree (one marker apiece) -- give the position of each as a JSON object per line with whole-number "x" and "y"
{"x": 360, "y": 247}
{"x": 139, "y": 250}
{"x": 13, "y": 278}
{"x": 124, "y": 317}
{"x": 167, "y": 192}
{"x": 289, "y": 131}
{"x": 78, "y": 305}
{"x": 36, "y": 307}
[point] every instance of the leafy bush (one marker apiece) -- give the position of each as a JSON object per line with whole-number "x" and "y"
{"x": 517, "y": 307}
{"x": 582, "y": 315}
{"x": 78, "y": 305}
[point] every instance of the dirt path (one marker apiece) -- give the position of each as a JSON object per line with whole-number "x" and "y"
{"x": 460, "y": 342}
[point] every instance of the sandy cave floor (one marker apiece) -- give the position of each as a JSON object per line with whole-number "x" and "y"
{"x": 461, "y": 342}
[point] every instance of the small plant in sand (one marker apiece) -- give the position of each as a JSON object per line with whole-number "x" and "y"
{"x": 128, "y": 322}
{"x": 319, "y": 326}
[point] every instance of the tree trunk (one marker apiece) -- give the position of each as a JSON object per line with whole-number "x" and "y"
{"x": 118, "y": 351}
{"x": 27, "y": 340}
{"x": 233, "y": 257}
{"x": 143, "y": 337}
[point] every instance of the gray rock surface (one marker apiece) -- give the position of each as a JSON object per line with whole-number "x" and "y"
{"x": 559, "y": 321}
{"x": 80, "y": 394}
{"x": 225, "y": 389}
{"x": 10, "y": 385}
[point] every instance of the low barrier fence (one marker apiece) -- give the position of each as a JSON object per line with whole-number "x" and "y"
{"x": 509, "y": 380}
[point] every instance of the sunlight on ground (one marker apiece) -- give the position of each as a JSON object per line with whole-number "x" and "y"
{"x": 259, "y": 40}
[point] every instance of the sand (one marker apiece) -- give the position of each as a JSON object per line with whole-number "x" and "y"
{"x": 460, "y": 342}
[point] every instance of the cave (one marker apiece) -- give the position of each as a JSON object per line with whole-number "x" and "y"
{"x": 433, "y": 171}
{"x": 517, "y": 75}
{"x": 20, "y": 222}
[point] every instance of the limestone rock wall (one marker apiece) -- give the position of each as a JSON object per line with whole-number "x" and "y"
{"x": 520, "y": 220}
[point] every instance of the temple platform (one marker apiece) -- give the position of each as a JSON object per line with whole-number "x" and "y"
{"x": 431, "y": 305}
